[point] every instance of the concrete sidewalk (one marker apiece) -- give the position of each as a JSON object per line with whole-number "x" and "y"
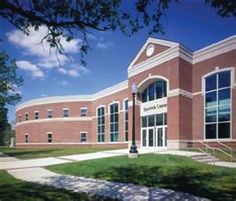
{"x": 13, "y": 163}
{"x": 114, "y": 190}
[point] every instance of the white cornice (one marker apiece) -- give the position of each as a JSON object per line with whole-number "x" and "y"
{"x": 180, "y": 92}
{"x": 76, "y": 98}
{"x": 154, "y": 41}
{"x": 215, "y": 49}
{"x": 203, "y": 54}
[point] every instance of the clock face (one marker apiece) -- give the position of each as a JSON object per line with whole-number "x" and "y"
{"x": 150, "y": 50}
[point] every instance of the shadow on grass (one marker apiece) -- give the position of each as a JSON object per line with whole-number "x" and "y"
{"x": 185, "y": 179}
{"x": 26, "y": 191}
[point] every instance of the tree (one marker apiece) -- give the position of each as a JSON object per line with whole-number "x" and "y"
{"x": 9, "y": 82}
{"x": 69, "y": 17}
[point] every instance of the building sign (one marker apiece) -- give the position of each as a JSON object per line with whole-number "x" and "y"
{"x": 154, "y": 107}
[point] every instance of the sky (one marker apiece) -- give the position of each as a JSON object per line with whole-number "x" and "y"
{"x": 190, "y": 23}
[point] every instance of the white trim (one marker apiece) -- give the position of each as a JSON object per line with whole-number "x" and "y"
{"x": 155, "y": 77}
{"x": 215, "y": 49}
{"x": 86, "y": 135}
{"x": 59, "y": 119}
{"x": 217, "y": 70}
{"x": 178, "y": 50}
{"x": 109, "y": 112}
{"x": 153, "y": 41}
{"x": 76, "y": 98}
{"x": 65, "y": 108}
{"x": 124, "y": 111}
{"x": 83, "y": 108}
{"x": 180, "y": 92}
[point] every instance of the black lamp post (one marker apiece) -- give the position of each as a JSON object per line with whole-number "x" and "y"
{"x": 133, "y": 152}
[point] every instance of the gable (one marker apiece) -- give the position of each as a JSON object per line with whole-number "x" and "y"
{"x": 149, "y": 52}
{"x": 151, "y": 48}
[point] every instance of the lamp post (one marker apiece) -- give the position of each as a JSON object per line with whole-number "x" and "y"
{"x": 133, "y": 152}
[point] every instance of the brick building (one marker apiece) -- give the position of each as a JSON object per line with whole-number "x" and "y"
{"x": 184, "y": 97}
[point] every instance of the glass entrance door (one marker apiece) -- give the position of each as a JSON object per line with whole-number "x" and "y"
{"x": 154, "y": 136}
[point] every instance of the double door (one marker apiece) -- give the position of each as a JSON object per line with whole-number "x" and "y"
{"x": 154, "y": 136}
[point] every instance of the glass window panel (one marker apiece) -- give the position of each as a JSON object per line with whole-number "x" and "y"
{"x": 151, "y": 137}
{"x": 126, "y": 105}
{"x": 210, "y": 83}
{"x": 159, "y": 119}
{"x": 103, "y": 129}
{"x": 224, "y": 96}
{"x": 151, "y": 92}
{"x": 211, "y": 114}
{"x": 224, "y": 113}
{"x": 224, "y": 79}
{"x": 159, "y": 89}
{"x": 126, "y": 126}
{"x": 126, "y": 116}
{"x": 151, "y": 120}
{"x": 224, "y": 130}
{"x": 112, "y": 127}
{"x": 144, "y": 96}
{"x": 116, "y": 127}
{"x": 116, "y": 117}
{"x": 210, "y": 99}
{"x": 116, "y": 107}
{"x": 210, "y": 131}
{"x": 144, "y": 138}
{"x": 165, "y": 119}
{"x": 144, "y": 122}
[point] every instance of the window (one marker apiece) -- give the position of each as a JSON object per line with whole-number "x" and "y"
{"x": 83, "y": 137}
{"x": 83, "y": 111}
{"x": 218, "y": 105}
{"x": 26, "y": 138}
{"x": 19, "y": 118}
{"x": 65, "y": 112}
{"x": 26, "y": 116}
{"x": 114, "y": 122}
{"x": 101, "y": 124}
{"x": 154, "y": 120}
{"x": 126, "y": 112}
{"x": 36, "y": 115}
{"x": 49, "y": 137}
{"x": 155, "y": 90}
{"x": 49, "y": 114}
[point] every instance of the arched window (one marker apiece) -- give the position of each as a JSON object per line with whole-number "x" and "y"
{"x": 218, "y": 105}
{"x": 155, "y": 90}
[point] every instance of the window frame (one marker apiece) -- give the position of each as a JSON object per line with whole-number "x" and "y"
{"x": 50, "y": 110}
{"x": 126, "y": 121}
{"x": 26, "y": 116}
{"x": 81, "y": 114}
{"x": 83, "y": 132}
{"x": 103, "y": 125}
{"x": 217, "y": 122}
{"x": 50, "y": 133}
{"x": 36, "y": 117}
{"x": 109, "y": 109}
{"x": 68, "y": 112}
{"x": 26, "y": 138}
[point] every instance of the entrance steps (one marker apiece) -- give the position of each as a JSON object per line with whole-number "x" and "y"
{"x": 205, "y": 158}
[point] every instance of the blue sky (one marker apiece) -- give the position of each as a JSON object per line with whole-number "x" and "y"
{"x": 191, "y": 23}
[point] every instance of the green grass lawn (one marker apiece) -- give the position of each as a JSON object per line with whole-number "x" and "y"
{"x": 28, "y": 153}
{"x": 14, "y": 189}
{"x": 164, "y": 171}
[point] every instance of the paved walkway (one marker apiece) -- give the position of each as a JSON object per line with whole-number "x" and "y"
{"x": 114, "y": 190}
{"x": 31, "y": 170}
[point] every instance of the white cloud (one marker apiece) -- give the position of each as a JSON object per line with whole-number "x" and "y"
{"x": 47, "y": 56}
{"x": 62, "y": 71}
{"x": 28, "y": 66}
{"x": 74, "y": 71}
{"x": 104, "y": 45}
{"x": 64, "y": 83}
